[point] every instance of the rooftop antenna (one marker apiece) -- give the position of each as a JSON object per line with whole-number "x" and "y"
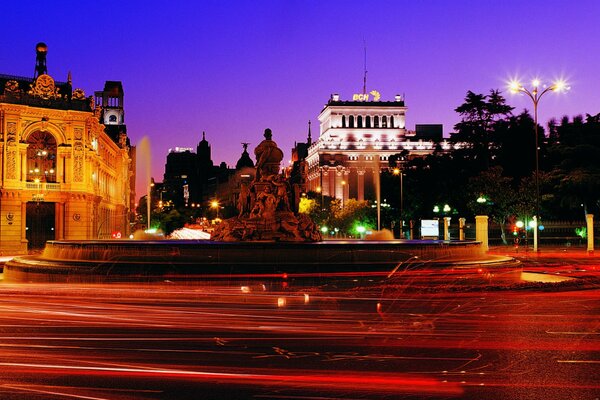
{"x": 365, "y": 68}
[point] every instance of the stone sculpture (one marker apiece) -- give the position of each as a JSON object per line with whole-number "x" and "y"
{"x": 265, "y": 212}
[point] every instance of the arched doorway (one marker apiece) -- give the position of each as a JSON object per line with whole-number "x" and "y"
{"x": 41, "y": 168}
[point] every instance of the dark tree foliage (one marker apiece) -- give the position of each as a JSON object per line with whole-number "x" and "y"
{"x": 479, "y": 116}
{"x": 574, "y": 167}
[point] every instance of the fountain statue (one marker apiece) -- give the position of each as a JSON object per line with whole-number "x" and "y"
{"x": 265, "y": 211}
{"x": 268, "y": 236}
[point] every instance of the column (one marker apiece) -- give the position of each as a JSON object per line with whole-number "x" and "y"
{"x": 447, "y": 228}
{"x": 361, "y": 184}
{"x": 339, "y": 184}
{"x": 332, "y": 188}
{"x": 24, "y": 170}
{"x": 325, "y": 181}
{"x": 59, "y": 219}
{"x": 461, "y": 228}
{"x": 481, "y": 231}
{"x": 24, "y": 224}
{"x": 346, "y": 187}
{"x": 590, "y": 233}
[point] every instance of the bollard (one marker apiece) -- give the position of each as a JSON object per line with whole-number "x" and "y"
{"x": 446, "y": 228}
{"x": 590, "y": 233}
{"x": 481, "y": 231}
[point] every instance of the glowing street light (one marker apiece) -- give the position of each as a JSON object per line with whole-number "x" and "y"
{"x": 215, "y": 204}
{"x": 535, "y": 94}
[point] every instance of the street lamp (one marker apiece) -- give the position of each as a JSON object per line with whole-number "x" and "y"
{"x": 535, "y": 94}
{"x": 398, "y": 171}
{"x": 215, "y": 204}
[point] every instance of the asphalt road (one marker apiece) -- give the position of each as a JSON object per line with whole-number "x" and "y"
{"x": 416, "y": 335}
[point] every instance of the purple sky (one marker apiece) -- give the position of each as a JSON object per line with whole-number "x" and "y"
{"x": 234, "y": 68}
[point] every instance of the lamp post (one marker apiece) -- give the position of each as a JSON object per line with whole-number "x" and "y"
{"x": 215, "y": 204}
{"x": 398, "y": 171}
{"x": 535, "y": 94}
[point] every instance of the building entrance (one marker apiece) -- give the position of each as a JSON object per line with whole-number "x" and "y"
{"x": 40, "y": 224}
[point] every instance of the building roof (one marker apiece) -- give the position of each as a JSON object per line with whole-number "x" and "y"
{"x": 352, "y": 103}
{"x": 19, "y": 94}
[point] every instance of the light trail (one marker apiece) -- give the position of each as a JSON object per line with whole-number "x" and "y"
{"x": 389, "y": 338}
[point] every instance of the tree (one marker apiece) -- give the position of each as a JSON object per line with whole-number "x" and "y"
{"x": 496, "y": 189}
{"x": 574, "y": 159}
{"x": 479, "y": 113}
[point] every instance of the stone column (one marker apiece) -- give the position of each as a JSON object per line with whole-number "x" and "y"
{"x": 590, "y": 233}
{"x": 461, "y": 228}
{"x": 481, "y": 231}
{"x": 325, "y": 181}
{"x": 24, "y": 240}
{"x": 361, "y": 184}
{"x": 332, "y": 188}
{"x": 446, "y": 228}
{"x": 346, "y": 187}
{"x": 24, "y": 170}
{"x": 59, "y": 224}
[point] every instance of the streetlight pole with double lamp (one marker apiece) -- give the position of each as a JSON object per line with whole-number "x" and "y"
{"x": 398, "y": 171}
{"x": 535, "y": 94}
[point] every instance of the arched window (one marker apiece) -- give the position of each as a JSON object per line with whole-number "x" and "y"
{"x": 41, "y": 157}
{"x": 351, "y": 121}
{"x": 343, "y": 121}
{"x": 368, "y": 121}
{"x": 359, "y": 121}
{"x": 384, "y": 121}
{"x": 376, "y": 121}
{"x": 392, "y": 121}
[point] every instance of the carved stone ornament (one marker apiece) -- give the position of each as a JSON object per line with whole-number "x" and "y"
{"x": 78, "y": 94}
{"x": 44, "y": 88}
{"x": 11, "y": 87}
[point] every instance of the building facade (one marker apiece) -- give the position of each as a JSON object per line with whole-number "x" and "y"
{"x": 356, "y": 140}
{"x": 61, "y": 175}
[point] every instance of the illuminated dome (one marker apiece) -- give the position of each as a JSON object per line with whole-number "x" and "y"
{"x": 41, "y": 47}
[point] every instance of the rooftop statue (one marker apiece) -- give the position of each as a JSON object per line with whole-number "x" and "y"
{"x": 265, "y": 209}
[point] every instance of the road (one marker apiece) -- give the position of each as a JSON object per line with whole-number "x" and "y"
{"x": 414, "y": 335}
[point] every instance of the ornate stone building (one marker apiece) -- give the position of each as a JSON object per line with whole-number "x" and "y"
{"x": 61, "y": 175}
{"x": 357, "y": 139}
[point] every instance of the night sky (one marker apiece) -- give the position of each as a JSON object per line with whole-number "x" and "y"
{"x": 234, "y": 68}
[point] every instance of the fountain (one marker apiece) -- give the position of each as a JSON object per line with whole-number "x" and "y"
{"x": 268, "y": 238}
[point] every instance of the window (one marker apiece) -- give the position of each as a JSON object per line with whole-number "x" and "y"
{"x": 41, "y": 157}
{"x": 384, "y": 122}
{"x": 368, "y": 121}
{"x": 351, "y": 121}
{"x": 359, "y": 121}
{"x": 112, "y": 118}
{"x": 376, "y": 121}
{"x": 343, "y": 121}
{"x": 391, "y": 121}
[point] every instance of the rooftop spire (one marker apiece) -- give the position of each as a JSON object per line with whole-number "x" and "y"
{"x": 40, "y": 60}
{"x": 309, "y": 140}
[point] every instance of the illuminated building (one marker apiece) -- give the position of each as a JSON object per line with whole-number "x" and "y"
{"x": 357, "y": 139}
{"x": 65, "y": 174}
